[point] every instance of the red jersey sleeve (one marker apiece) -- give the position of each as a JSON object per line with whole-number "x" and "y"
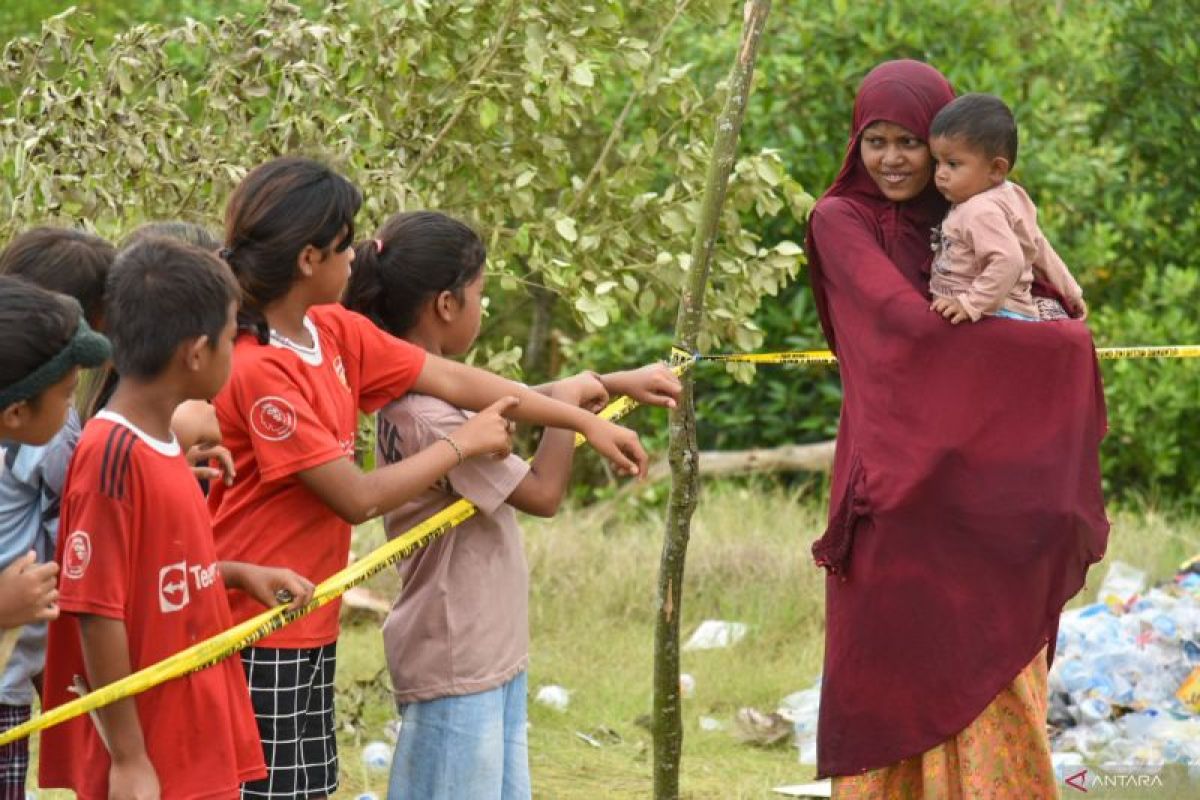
{"x": 386, "y": 367}
{"x": 95, "y": 554}
{"x": 286, "y": 434}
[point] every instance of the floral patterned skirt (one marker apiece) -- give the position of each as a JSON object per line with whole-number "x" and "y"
{"x": 1003, "y": 754}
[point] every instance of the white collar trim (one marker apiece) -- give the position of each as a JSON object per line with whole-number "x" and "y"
{"x": 309, "y": 355}
{"x": 170, "y": 448}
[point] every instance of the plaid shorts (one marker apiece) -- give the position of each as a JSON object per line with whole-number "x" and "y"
{"x": 292, "y": 694}
{"x": 14, "y": 756}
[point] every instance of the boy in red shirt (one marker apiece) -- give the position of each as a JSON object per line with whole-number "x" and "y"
{"x": 140, "y": 576}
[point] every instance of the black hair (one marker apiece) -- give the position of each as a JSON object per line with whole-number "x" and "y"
{"x": 161, "y": 293}
{"x": 983, "y": 121}
{"x": 423, "y": 254}
{"x": 277, "y": 210}
{"x": 71, "y": 262}
{"x": 189, "y": 232}
{"x": 35, "y": 325}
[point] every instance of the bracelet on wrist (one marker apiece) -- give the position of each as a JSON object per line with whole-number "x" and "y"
{"x": 457, "y": 450}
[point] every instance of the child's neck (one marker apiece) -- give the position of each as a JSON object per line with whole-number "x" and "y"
{"x": 424, "y": 340}
{"x": 149, "y": 405}
{"x": 286, "y": 317}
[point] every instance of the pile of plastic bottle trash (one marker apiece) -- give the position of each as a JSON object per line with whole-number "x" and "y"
{"x": 1125, "y": 687}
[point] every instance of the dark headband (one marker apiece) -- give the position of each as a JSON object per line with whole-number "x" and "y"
{"x": 86, "y": 349}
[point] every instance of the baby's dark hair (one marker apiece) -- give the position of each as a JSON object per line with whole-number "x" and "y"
{"x": 189, "y": 232}
{"x": 277, "y": 210}
{"x": 983, "y": 121}
{"x": 161, "y": 293}
{"x": 63, "y": 260}
{"x": 35, "y": 325}
{"x": 417, "y": 255}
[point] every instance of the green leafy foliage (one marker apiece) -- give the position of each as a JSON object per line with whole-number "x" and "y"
{"x": 507, "y": 114}
{"x": 576, "y": 137}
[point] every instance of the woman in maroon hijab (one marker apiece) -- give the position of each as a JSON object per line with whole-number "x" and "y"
{"x": 966, "y": 502}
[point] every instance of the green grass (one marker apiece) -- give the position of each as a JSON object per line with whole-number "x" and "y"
{"x": 592, "y": 625}
{"x": 592, "y": 617}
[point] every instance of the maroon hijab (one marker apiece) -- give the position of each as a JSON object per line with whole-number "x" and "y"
{"x": 966, "y": 503}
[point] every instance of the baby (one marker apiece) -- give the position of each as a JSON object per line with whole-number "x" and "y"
{"x": 990, "y": 248}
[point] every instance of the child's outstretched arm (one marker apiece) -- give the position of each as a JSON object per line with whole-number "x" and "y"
{"x": 473, "y": 388}
{"x": 358, "y": 496}
{"x": 542, "y": 490}
{"x": 653, "y": 385}
{"x": 106, "y": 659}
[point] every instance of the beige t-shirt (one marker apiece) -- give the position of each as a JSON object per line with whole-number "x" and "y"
{"x": 461, "y": 622}
{"x": 990, "y": 247}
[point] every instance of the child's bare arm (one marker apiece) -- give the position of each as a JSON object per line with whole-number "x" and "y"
{"x": 106, "y": 659}
{"x": 358, "y": 496}
{"x": 28, "y": 591}
{"x": 543, "y": 489}
{"x": 654, "y": 384}
{"x": 472, "y": 388}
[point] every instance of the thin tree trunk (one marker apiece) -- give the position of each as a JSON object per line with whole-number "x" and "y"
{"x": 536, "y": 359}
{"x": 667, "y": 723}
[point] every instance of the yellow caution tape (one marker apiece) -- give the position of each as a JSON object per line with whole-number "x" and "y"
{"x": 220, "y": 647}
{"x": 679, "y": 355}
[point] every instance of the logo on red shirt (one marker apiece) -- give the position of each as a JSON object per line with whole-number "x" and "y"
{"x": 339, "y": 368}
{"x": 173, "y": 587}
{"x": 77, "y": 554}
{"x": 273, "y": 418}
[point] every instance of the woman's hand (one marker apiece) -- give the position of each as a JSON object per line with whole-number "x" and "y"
{"x": 654, "y": 384}
{"x": 488, "y": 432}
{"x": 268, "y": 585}
{"x": 28, "y": 591}
{"x": 201, "y": 456}
{"x": 951, "y": 309}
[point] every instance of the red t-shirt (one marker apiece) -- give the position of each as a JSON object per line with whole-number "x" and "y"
{"x": 284, "y": 410}
{"x": 136, "y": 545}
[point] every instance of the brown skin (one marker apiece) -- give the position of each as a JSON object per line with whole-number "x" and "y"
{"x": 28, "y": 592}
{"x": 961, "y": 172}
{"x": 896, "y": 159}
{"x": 449, "y": 324}
{"x": 35, "y": 421}
{"x": 196, "y": 371}
{"x": 356, "y": 496}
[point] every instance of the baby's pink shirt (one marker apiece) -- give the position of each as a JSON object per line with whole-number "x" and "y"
{"x": 990, "y": 247}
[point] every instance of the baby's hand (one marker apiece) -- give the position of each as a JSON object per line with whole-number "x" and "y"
{"x": 950, "y": 308}
{"x": 1077, "y": 308}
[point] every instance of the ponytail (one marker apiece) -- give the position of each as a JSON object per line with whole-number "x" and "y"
{"x": 279, "y": 209}
{"x": 417, "y": 255}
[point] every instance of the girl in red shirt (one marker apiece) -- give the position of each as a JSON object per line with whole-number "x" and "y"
{"x": 304, "y": 367}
